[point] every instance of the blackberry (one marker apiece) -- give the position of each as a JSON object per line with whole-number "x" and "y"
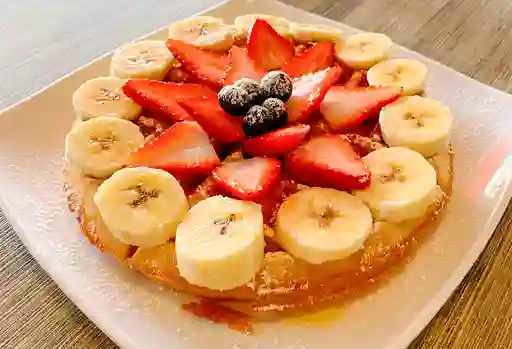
{"x": 277, "y": 84}
{"x": 234, "y": 100}
{"x": 251, "y": 87}
{"x": 257, "y": 121}
{"x": 278, "y": 109}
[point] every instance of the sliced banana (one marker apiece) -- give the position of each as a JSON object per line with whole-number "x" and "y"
{"x": 421, "y": 124}
{"x": 403, "y": 184}
{"x": 410, "y": 75}
{"x": 363, "y": 51}
{"x": 307, "y": 33}
{"x": 148, "y": 59}
{"x": 104, "y": 96}
{"x": 209, "y": 33}
{"x": 98, "y": 147}
{"x": 141, "y": 206}
{"x": 220, "y": 243}
{"x": 320, "y": 224}
{"x": 243, "y": 24}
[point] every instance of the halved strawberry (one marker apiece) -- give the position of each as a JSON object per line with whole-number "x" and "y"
{"x": 308, "y": 93}
{"x": 328, "y": 161}
{"x": 248, "y": 179}
{"x": 278, "y": 142}
{"x": 205, "y": 65}
{"x": 213, "y": 119}
{"x": 346, "y": 108}
{"x": 197, "y": 102}
{"x": 267, "y": 48}
{"x": 182, "y": 149}
{"x": 152, "y": 95}
{"x": 315, "y": 58}
{"x": 241, "y": 66}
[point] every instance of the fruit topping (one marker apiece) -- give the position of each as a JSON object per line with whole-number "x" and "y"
{"x": 277, "y": 84}
{"x": 267, "y": 48}
{"x": 278, "y": 110}
{"x": 220, "y": 243}
{"x": 207, "y": 66}
{"x": 141, "y": 206}
{"x": 278, "y": 142}
{"x": 248, "y": 179}
{"x": 309, "y": 91}
{"x": 257, "y": 121}
{"x": 241, "y": 66}
{"x": 184, "y": 148}
{"x": 347, "y": 108}
{"x": 318, "y": 57}
{"x": 251, "y": 87}
{"x": 328, "y": 161}
{"x": 156, "y": 97}
{"x": 234, "y": 100}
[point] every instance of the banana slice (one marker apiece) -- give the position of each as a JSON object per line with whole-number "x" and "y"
{"x": 243, "y": 24}
{"x": 209, "y": 33}
{"x": 403, "y": 184}
{"x": 320, "y": 224}
{"x": 104, "y": 97}
{"x": 98, "y": 147}
{"x": 141, "y": 206}
{"x": 363, "y": 51}
{"x": 421, "y": 124}
{"x": 149, "y": 59}
{"x": 220, "y": 244}
{"x": 410, "y": 75}
{"x": 306, "y": 33}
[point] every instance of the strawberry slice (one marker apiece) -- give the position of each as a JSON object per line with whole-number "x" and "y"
{"x": 182, "y": 149}
{"x": 193, "y": 101}
{"x": 213, "y": 119}
{"x": 248, "y": 179}
{"x": 346, "y": 108}
{"x": 151, "y": 95}
{"x": 308, "y": 93}
{"x": 318, "y": 57}
{"x": 278, "y": 142}
{"x": 207, "y": 66}
{"x": 241, "y": 66}
{"x": 328, "y": 161}
{"x": 268, "y": 49}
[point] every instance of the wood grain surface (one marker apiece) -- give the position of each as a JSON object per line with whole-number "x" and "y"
{"x": 471, "y": 36}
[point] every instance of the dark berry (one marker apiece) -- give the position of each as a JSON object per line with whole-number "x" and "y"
{"x": 277, "y": 84}
{"x": 257, "y": 121}
{"x": 251, "y": 87}
{"x": 234, "y": 100}
{"x": 278, "y": 109}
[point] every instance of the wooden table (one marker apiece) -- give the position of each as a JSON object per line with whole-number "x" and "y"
{"x": 472, "y": 36}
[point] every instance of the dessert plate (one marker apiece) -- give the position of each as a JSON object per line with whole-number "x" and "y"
{"x": 136, "y": 313}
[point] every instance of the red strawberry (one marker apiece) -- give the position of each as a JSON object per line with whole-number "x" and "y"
{"x": 346, "y": 108}
{"x": 328, "y": 161}
{"x": 197, "y": 102}
{"x": 213, "y": 119}
{"x": 182, "y": 149}
{"x": 267, "y": 48}
{"x": 308, "y": 93}
{"x": 151, "y": 95}
{"x": 278, "y": 142}
{"x": 241, "y": 66}
{"x": 178, "y": 74}
{"x": 204, "y": 65}
{"x": 313, "y": 59}
{"x": 248, "y": 179}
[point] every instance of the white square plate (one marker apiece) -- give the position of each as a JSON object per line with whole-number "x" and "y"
{"x": 137, "y": 314}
